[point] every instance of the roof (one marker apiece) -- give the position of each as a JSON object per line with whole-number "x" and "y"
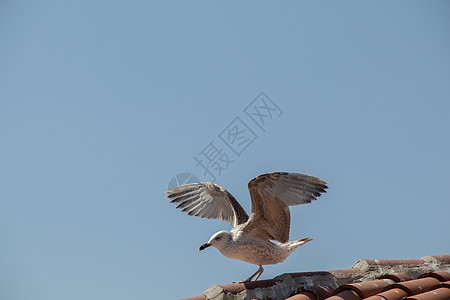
{"x": 427, "y": 278}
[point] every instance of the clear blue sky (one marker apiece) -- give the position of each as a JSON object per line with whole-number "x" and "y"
{"x": 102, "y": 103}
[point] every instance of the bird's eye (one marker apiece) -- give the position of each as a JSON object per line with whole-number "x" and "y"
{"x": 217, "y": 238}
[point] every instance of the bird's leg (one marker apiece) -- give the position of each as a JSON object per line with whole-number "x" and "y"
{"x": 258, "y": 272}
{"x": 262, "y": 270}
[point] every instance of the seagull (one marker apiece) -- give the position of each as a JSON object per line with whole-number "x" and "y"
{"x": 262, "y": 238}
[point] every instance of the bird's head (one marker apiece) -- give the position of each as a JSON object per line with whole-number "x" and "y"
{"x": 218, "y": 240}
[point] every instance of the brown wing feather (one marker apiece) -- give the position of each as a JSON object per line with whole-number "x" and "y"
{"x": 272, "y": 194}
{"x": 208, "y": 200}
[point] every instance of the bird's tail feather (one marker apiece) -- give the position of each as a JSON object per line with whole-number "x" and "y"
{"x": 294, "y": 244}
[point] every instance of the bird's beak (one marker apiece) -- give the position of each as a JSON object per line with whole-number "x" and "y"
{"x": 204, "y": 246}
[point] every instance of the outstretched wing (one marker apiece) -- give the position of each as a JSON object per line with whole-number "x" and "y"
{"x": 208, "y": 200}
{"x": 272, "y": 194}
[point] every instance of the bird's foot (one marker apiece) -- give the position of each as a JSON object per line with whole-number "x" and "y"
{"x": 245, "y": 281}
{"x": 258, "y": 272}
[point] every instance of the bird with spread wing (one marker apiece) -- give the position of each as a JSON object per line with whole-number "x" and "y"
{"x": 262, "y": 238}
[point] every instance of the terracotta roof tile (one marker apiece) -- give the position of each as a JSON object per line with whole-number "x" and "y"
{"x": 392, "y": 294}
{"x": 345, "y": 271}
{"x": 442, "y": 276}
{"x": 443, "y": 284}
{"x": 438, "y": 294}
{"x": 397, "y": 277}
{"x": 394, "y": 262}
{"x": 237, "y": 287}
{"x": 345, "y": 295}
{"x": 444, "y": 259}
{"x": 366, "y": 289}
{"x": 417, "y": 286}
{"x": 312, "y": 292}
{"x": 201, "y": 297}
